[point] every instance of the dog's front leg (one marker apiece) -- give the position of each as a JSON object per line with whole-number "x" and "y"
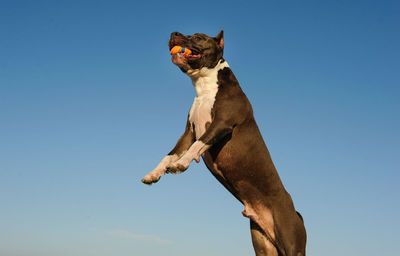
{"x": 180, "y": 148}
{"x": 217, "y": 130}
{"x": 181, "y": 164}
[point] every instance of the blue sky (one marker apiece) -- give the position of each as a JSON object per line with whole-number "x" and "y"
{"x": 90, "y": 102}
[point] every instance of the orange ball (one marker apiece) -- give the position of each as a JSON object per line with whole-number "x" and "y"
{"x": 180, "y": 49}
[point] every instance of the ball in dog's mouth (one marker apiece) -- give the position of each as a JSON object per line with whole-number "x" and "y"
{"x": 181, "y": 58}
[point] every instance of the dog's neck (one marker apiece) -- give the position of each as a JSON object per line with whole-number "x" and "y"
{"x": 205, "y": 80}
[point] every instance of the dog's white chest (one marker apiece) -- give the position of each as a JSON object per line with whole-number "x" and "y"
{"x": 205, "y": 82}
{"x": 200, "y": 113}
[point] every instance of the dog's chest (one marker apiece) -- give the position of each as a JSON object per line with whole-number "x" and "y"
{"x": 200, "y": 113}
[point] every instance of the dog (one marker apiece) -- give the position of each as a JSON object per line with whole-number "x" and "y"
{"x": 221, "y": 128}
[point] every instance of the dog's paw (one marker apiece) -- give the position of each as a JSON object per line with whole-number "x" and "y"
{"x": 177, "y": 167}
{"x": 152, "y": 177}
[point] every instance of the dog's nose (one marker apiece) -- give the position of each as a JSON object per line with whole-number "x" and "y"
{"x": 175, "y": 34}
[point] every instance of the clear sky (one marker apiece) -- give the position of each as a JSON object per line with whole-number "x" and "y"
{"x": 90, "y": 102}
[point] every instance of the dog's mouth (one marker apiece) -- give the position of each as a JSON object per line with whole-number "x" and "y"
{"x": 179, "y": 51}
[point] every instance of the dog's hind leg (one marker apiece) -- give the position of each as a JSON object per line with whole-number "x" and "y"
{"x": 262, "y": 246}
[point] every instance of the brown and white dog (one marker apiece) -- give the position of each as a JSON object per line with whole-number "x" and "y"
{"x": 221, "y": 128}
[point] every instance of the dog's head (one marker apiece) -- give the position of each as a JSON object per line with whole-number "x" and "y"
{"x": 206, "y": 51}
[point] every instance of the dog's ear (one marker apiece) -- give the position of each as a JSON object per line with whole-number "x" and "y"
{"x": 220, "y": 39}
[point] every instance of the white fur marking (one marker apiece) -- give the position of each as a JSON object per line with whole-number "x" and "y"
{"x": 205, "y": 82}
{"x": 167, "y": 160}
{"x": 196, "y": 150}
{"x": 156, "y": 174}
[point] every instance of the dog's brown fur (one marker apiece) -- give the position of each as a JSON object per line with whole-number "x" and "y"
{"x": 238, "y": 157}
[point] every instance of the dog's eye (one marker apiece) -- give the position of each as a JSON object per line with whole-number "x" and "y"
{"x": 197, "y": 38}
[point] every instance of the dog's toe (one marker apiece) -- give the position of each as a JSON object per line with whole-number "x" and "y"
{"x": 147, "y": 181}
{"x": 150, "y": 179}
{"x": 170, "y": 169}
{"x": 178, "y": 168}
